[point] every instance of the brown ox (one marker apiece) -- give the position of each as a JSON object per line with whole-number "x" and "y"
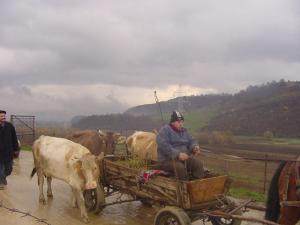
{"x": 97, "y": 142}
{"x": 68, "y": 161}
{"x": 143, "y": 144}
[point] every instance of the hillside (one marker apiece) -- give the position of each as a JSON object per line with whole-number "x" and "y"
{"x": 123, "y": 123}
{"x": 274, "y": 107}
{"x": 271, "y": 107}
{"x": 189, "y": 103}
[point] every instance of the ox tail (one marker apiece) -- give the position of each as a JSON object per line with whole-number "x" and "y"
{"x": 32, "y": 172}
{"x": 273, "y": 202}
{"x": 35, "y": 149}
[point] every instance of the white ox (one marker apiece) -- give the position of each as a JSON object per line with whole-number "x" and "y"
{"x": 143, "y": 144}
{"x": 67, "y": 161}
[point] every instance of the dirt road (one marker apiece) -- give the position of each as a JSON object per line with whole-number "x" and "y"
{"x": 22, "y": 194}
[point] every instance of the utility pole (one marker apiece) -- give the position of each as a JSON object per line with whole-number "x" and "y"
{"x": 158, "y": 103}
{"x": 179, "y": 94}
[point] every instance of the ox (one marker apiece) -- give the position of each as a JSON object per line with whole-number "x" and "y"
{"x": 143, "y": 144}
{"x": 68, "y": 161}
{"x": 97, "y": 142}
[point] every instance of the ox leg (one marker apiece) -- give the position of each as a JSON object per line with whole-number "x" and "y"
{"x": 49, "y": 189}
{"x": 81, "y": 205}
{"x": 41, "y": 185}
{"x": 73, "y": 199}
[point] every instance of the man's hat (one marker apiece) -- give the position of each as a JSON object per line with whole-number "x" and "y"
{"x": 176, "y": 116}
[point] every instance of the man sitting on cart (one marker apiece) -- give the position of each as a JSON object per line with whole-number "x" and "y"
{"x": 178, "y": 151}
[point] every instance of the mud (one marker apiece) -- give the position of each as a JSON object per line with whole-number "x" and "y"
{"x": 22, "y": 194}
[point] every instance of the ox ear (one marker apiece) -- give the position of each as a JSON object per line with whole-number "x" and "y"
{"x": 154, "y": 131}
{"x": 100, "y": 157}
{"x": 101, "y": 133}
{"x": 116, "y": 136}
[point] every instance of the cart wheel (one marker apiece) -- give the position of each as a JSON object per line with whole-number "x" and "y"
{"x": 223, "y": 221}
{"x": 94, "y": 199}
{"x": 172, "y": 216}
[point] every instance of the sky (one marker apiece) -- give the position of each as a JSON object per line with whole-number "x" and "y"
{"x": 62, "y": 58}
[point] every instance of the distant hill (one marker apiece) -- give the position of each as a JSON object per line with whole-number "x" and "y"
{"x": 123, "y": 123}
{"x": 273, "y": 106}
{"x": 189, "y": 103}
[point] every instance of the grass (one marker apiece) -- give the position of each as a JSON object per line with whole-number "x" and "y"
{"x": 249, "y": 179}
{"x": 244, "y": 193}
{"x": 264, "y": 140}
{"x": 195, "y": 120}
{"x": 134, "y": 163}
{"x": 26, "y": 148}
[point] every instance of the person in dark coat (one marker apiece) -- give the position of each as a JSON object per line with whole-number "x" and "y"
{"x": 178, "y": 151}
{"x": 9, "y": 148}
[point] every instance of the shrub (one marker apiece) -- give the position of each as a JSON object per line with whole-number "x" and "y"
{"x": 216, "y": 137}
{"x": 204, "y": 138}
{"x": 268, "y": 134}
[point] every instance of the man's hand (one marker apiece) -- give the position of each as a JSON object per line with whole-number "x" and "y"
{"x": 183, "y": 156}
{"x": 196, "y": 150}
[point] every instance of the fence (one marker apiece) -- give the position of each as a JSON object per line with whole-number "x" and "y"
{"x": 25, "y": 128}
{"x": 250, "y": 174}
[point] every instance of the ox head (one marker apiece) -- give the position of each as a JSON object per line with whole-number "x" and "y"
{"x": 119, "y": 139}
{"x": 110, "y": 139}
{"x": 90, "y": 169}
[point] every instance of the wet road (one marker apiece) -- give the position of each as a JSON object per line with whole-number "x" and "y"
{"x": 22, "y": 194}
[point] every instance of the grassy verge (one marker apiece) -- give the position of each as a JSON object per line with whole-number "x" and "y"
{"x": 264, "y": 140}
{"x": 244, "y": 186}
{"x": 244, "y": 193}
{"x": 26, "y": 148}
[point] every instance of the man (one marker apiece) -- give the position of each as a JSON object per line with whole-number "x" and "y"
{"x": 9, "y": 148}
{"x": 177, "y": 150}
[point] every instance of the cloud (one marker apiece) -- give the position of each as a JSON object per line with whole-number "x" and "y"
{"x": 139, "y": 46}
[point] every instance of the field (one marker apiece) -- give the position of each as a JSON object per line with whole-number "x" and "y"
{"x": 251, "y": 166}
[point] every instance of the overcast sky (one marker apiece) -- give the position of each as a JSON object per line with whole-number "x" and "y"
{"x": 60, "y": 58}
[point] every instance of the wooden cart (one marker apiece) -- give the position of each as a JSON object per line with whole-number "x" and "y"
{"x": 182, "y": 201}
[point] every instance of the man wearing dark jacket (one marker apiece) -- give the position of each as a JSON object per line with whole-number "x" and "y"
{"x": 178, "y": 150}
{"x": 9, "y": 148}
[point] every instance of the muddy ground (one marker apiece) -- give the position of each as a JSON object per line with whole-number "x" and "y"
{"x": 22, "y": 194}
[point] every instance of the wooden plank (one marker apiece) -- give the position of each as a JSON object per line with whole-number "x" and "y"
{"x": 161, "y": 181}
{"x": 206, "y": 189}
{"x": 164, "y": 182}
{"x": 158, "y": 188}
{"x": 196, "y": 193}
